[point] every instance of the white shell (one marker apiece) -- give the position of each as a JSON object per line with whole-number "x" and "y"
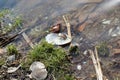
{"x": 55, "y": 39}
{"x": 13, "y": 69}
{"x": 37, "y": 65}
{"x": 38, "y": 71}
{"x": 39, "y": 74}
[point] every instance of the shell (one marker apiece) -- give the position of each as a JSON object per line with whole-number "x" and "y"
{"x": 39, "y": 74}
{"x": 13, "y": 69}
{"x": 37, "y": 65}
{"x": 38, "y": 71}
{"x": 56, "y": 39}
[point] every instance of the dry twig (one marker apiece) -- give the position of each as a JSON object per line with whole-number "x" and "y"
{"x": 96, "y": 63}
{"x": 27, "y": 39}
{"x": 68, "y": 26}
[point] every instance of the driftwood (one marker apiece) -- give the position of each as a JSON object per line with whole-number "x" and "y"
{"x": 68, "y": 26}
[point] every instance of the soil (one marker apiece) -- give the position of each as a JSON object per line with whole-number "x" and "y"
{"x": 100, "y": 26}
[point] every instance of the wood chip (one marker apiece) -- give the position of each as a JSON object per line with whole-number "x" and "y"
{"x": 116, "y": 51}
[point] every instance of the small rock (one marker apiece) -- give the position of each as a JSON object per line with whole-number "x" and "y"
{"x": 11, "y": 58}
{"x": 84, "y": 62}
{"x": 79, "y": 67}
{"x": 10, "y": 25}
{"x": 116, "y": 32}
{"x": 85, "y": 52}
{"x": 13, "y": 79}
{"x": 46, "y": 17}
{"x": 106, "y": 21}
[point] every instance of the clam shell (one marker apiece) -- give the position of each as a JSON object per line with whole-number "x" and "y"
{"x": 55, "y": 39}
{"x": 38, "y": 71}
{"x": 37, "y": 65}
{"x": 13, "y": 69}
{"x": 39, "y": 74}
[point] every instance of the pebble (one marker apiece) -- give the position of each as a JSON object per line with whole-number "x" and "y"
{"x": 85, "y": 52}
{"x": 79, "y": 67}
{"x": 11, "y": 58}
{"x": 106, "y": 21}
{"x": 13, "y": 79}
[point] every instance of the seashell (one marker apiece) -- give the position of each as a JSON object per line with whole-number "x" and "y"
{"x": 37, "y": 64}
{"x": 38, "y": 71}
{"x": 13, "y": 69}
{"x": 39, "y": 74}
{"x": 63, "y": 36}
{"x": 58, "y": 39}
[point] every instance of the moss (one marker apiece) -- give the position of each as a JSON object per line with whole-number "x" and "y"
{"x": 74, "y": 51}
{"x": 54, "y": 59}
{"x": 17, "y": 22}
{"x": 66, "y": 77}
{"x": 2, "y": 61}
{"x": 3, "y": 12}
{"x": 11, "y": 50}
{"x": 103, "y": 50}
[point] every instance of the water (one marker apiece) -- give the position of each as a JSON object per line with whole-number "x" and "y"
{"x": 8, "y": 3}
{"x": 51, "y": 8}
{"x": 46, "y": 10}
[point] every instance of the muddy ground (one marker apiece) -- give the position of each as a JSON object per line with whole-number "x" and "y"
{"x": 100, "y": 26}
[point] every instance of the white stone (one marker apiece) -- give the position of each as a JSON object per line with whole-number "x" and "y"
{"x": 106, "y": 22}
{"x": 79, "y": 67}
{"x": 11, "y": 58}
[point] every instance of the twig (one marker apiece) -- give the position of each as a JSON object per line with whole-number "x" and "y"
{"x": 68, "y": 26}
{"x": 96, "y": 63}
{"x": 27, "y": 39}
{"x": 99, "y": 66}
